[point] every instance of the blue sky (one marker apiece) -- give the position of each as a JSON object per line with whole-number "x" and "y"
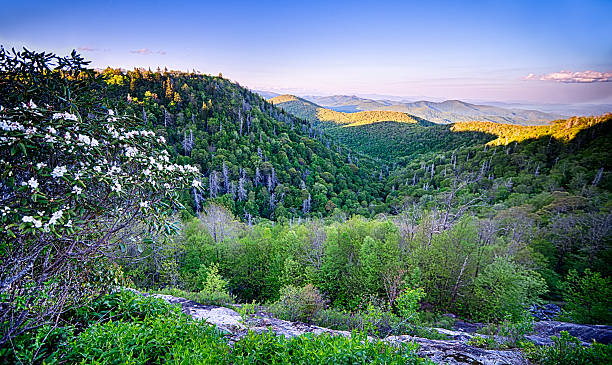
{"x": 477, "y": 50}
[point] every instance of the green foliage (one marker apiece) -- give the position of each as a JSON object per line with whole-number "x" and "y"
{"x": 257, "y": 159}
{"x": 35, "y": 346}
{"x": 267, "y": 348}
{"x": 127, "y": 328}
{"x": 151, "y": 340}
{"x": 214, "y": 288}
{"x": 487, "y": 342}
{"x": 568, "y": 350}
{"x": 299, "y": 304}
{"x": 503, "y": 289}
{"x": 407, "y": 304}
{"x": 588, "y": 297}
{"x": 514, "y": 329}
{"x": 78, "y": 181}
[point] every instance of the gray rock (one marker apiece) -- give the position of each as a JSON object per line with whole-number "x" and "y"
{"x": 586, "y": 333}
{"x": 547, "y": 312}
{"x": 225, "y": 319}
{"x": 457, "y": 352}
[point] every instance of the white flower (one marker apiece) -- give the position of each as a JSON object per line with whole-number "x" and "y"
{"x": 131, "y": 151}
{"x": 51, "y": 130}
{"x": 196, "y": 183}
{"x": 147, "y": 172}
{"x": 84, "y": 139}
{"x": 77, "y": 190}
{"x": 97, "y": 169}
{"x": 59, "y": 171}
{"x": 144, "y": 204}
{"x": 65, "y": 116}
{"x": 55, "y": 217}
{"x": 40, "y": 165}
{"x": 33, "y": 183}
{"x": 116, "y": 187}
{"x": 111, "y": 112}
{"x": 37, "y": 223}
{"x": 166, "y": 185}
{"x": 68, "y": 224}
{"x": 6, "y": 210}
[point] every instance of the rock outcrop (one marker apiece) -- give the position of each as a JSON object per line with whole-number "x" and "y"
{"x": 543, "y": 330}
{"x": 454, "y": 351}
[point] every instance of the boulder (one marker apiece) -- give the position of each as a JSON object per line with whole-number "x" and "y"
{"x": 458, "y": 352}
{"x": 547, "y": 312}
{"x": 543, "y": 330}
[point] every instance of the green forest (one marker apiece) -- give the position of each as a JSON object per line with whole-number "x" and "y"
{"x": 191, "y": 185}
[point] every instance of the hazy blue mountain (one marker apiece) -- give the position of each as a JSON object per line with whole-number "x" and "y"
{"x": 266, "y": 94}
{"x": 449, "y": 111}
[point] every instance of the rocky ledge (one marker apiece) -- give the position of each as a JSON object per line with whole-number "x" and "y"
{"x": 453, "y": 351}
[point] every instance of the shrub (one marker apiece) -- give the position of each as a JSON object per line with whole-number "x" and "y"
{"x": 122, "y": 305}
{"x": 505, "y": 287}
{"x": 214, "y": 291}
{"x": 487, "y": 342}
{"x": 153, "y": 340}
{"x": 35, "y": 346}
{"x": 514, "y": 331}
{"x": 407, "y": 303}
{"x": 588, "y": 297}
{"x": 568, "y": 350}
{"x": 267, "y": 348}
{"x": 299, "y": 304}
{"x": 76, "y": 180}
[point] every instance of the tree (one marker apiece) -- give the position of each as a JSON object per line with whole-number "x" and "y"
{"x": 75, "y": 180}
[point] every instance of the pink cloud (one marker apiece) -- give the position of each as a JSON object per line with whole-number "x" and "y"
{"x": 146, "y": 52}
{"x": 142, "y": 51}
{"x": 573, "y": 77}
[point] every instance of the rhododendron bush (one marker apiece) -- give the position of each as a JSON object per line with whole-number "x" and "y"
{"x": 75, "y": 180}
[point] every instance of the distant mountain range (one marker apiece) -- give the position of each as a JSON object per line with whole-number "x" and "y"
{"x": 449, "y": 111}
{"x": 327, "y": 117}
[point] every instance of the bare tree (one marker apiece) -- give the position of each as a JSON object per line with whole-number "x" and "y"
{"x": 213, "y": 184}
{"x": 220, "y": 223}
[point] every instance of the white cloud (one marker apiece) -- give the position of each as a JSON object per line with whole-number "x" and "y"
{"x": 573, "y": 77}
{"x": 87, "y": 49}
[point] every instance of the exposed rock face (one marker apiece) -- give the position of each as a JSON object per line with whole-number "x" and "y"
{"x": 457, "y": 352}
{"x": 454, "y": 351}
{"x": 586, "y": 333}
{"x": 547, "y": 312}
{"x": 223, "y": 318}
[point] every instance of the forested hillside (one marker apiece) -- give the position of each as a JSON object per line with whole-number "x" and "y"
{"x": 256, "y": 159}
{"x": 114, "y": 183}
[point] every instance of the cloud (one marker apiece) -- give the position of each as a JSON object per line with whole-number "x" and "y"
{"x": 146, "y": 52}
{"x": 142, "y": 51}
{"x": 573, "y": 77}
{"x": 87, "y": 49}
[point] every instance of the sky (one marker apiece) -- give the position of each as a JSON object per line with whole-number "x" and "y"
{"x": 510, "y": 51}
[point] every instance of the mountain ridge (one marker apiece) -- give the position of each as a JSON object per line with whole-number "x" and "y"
{"x": 444, "y": 112}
